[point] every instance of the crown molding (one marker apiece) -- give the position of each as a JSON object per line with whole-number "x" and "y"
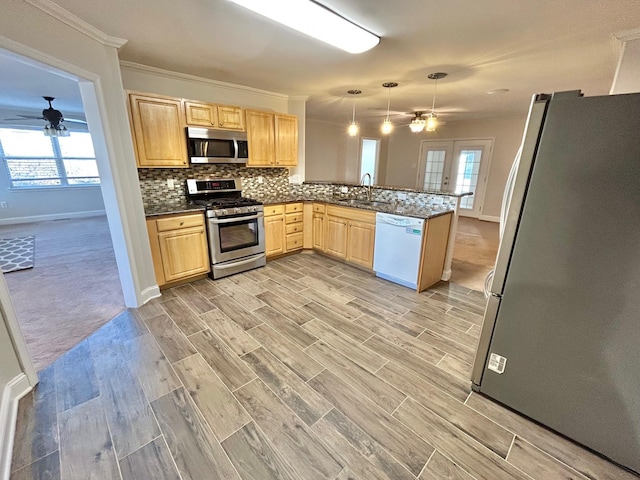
{"x": 56, "y": 11}
{"x": 299, "y": 98}
{"x": 137, "y": 67}
{"x": 627, "y": 35}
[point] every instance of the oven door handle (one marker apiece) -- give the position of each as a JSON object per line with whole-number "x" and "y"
{"x": 236, "y": 219}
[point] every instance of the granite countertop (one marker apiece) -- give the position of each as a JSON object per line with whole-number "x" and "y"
{"x": 392, "y": 208}
{"x": 385, "y": 187}
{"x": 156, "y": 210}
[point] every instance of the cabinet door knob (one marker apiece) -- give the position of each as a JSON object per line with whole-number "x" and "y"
{"x": 181, "y": 223}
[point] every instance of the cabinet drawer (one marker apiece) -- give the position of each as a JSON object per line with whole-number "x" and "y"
{"x": 182, "y": 221}
{"x": 293, "y": 217}
{"x": 294, "y": 241}
{"x": 293, "y": 207}
{"x": 294, "y": 228}
{"x": 273, "y": 210}
{"x": 318, "y": 208}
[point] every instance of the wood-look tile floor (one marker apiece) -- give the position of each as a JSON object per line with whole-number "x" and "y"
{"x": 305, "y": 369}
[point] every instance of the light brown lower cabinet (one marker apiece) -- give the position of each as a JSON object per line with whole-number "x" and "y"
{"x": 274, "y": 231}
{"x": 350, "y": 234}
{"x": 360, "y": 243}
{"x": 178, "y": 247}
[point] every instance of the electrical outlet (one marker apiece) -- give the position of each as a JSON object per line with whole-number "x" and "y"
{"x": 402, "y": 196}
{"x": 260, "y": 179}
{"x": 4, "y": 205}
{"x": 344, "y": 189}
{"x": 171, "y": 183}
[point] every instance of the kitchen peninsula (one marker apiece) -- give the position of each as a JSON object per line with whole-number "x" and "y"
{"x": 386, "y": 199}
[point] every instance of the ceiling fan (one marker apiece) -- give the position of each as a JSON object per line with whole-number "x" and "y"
{"x": 51, "y": 115}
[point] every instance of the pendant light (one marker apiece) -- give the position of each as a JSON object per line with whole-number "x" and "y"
{"x": 418, "y": 123}
{"x": 432, "y": 121}
{"x": 387, "y": 126}
{"x": 353, "y": 126}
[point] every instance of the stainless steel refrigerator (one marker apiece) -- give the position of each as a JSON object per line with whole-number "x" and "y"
{"x": 560, "y": 341}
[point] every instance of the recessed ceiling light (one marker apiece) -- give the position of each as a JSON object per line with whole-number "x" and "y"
{"x": 316, "y": 21}
{"x": 497, "y": 91}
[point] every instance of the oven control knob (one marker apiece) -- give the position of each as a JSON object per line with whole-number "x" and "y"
{"x": 224, "y": 212}
{"x": 238, "y": 210}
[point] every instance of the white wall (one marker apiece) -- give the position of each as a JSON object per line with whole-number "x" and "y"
{"x": 332, "y": 155}
{"x": 404, "y": 150}
{"x": 326, "y": 151}
{"x": 46, "y": 204}
{"x": 17, "y": 376}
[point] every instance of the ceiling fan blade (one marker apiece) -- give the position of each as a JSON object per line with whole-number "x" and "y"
{"x": 74, "y": 120}
{"x": 30, "y": 117}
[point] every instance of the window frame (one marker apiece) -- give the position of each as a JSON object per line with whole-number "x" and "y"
{"x": 57, "y": 157}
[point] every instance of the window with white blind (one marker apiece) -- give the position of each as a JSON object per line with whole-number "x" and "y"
{"x": 33, "y": 160}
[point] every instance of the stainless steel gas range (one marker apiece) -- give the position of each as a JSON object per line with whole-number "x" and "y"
{"x": 235, "y": 225}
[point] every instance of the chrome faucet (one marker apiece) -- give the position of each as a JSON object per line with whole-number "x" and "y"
{"x": 368, "y": 186}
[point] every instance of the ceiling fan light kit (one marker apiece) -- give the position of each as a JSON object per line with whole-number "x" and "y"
{"x": 353, "y": 126}
{"x": 315, "y": 20}
{"x": 418, "y": 123}
{"x": 387, "y": 126}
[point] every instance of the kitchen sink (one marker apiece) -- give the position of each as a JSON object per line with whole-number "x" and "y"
{"x": 368, "y": 203}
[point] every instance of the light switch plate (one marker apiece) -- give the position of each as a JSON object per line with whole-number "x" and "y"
{"x": 171, "y": 183}
{"x": 402, "y": 196}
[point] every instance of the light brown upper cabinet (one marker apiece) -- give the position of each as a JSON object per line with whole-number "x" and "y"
{"x": 214, "y": 116}
{"x": 261, "y": 138}
{"x": 286, "y": 140}
{"x": 273, "y": 139}
{"x": 157, "y": 125}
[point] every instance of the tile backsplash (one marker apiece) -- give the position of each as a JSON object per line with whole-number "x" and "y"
{"x": 154, "y": 188}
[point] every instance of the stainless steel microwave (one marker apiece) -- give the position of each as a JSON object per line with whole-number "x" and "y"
{"x": 206, "y": 145}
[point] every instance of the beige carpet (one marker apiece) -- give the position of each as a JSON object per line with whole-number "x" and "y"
{"x": 474, "y": 254}
{"x": 73, "y": 289}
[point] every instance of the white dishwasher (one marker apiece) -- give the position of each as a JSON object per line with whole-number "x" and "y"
{"x": 396, "y": 256}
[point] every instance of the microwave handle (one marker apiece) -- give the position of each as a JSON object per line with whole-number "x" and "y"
{"x": 236, "y": 151}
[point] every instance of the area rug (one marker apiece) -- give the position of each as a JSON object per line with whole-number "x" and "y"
{"x": 17, "y": 253}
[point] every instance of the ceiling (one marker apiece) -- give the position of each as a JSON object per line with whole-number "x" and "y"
{"x": 521, "y": 45}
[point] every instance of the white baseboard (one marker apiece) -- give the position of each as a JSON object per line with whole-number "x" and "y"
{"x": 489, "y": 218}
{"x": 53, "y": 216}
{"x": 150, "y": 293}
{"x": 11, "y": 395}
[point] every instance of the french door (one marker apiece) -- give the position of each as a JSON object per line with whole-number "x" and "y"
{"x": 456, "y": 166}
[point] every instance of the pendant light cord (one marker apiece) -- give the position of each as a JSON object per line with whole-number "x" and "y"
{"x": 435, "y": 89}
{"x": 353, "y": 119}
{"x": 388, "y": 101}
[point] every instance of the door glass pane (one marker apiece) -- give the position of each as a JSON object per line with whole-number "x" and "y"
{"x": 433, "y": 169}
{"x": 467, "y": 177}
{"x": 369, "y": 157}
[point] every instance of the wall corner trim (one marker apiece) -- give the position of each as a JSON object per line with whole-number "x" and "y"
{"x": 627, "y": 35}
{"x": 11, "y": 395}
{"x": 68, "y": 18}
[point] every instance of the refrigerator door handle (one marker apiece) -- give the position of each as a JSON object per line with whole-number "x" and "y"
{"x": 490, "y": 315}
{"x": 529, "y": 148}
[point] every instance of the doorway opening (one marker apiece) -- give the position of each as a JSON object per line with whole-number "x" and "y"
{"x": 74, "y": 286}
{"x": 369, "y": 158}
{"x": 462, "y": 165}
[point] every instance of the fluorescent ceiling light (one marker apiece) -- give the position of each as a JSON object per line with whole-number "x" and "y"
{"x": 316, "y": 21}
